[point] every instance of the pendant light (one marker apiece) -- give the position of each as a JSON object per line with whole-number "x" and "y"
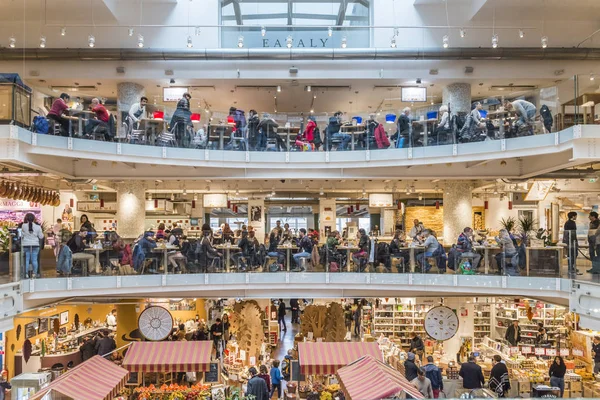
{"x": 12, "y": 42}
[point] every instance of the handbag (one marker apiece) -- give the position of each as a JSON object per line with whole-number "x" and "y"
{"x": 274, "y": 267}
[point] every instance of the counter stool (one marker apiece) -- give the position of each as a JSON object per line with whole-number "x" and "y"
{"x": 398, "y": 260}
{"x": 304, "y": 263}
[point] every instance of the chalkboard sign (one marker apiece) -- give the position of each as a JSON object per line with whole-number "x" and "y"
{"x": 43, "y": 325}
{"x": 30, "y": 330}
{"x": 295, "y": 371}
{"x": 212, "y": 376}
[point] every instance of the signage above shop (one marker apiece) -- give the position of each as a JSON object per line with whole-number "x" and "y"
{"x": 173, "y": 94}
{"x": 381, "y": 200}
{"x": 215, "y": 200}
{"x": 279, "y": 38}
{"x": 414, "y": 94}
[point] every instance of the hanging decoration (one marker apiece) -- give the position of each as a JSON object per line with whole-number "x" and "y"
{"x": 437, "y": 204}
{"x": 18, "y": 191}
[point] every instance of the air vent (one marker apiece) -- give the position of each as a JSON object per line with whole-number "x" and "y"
{"x": 433, "y": 72}
{"x": 469, "y": 70}
{"x": 169, "y": 72}
{"x": 120, "y": 70}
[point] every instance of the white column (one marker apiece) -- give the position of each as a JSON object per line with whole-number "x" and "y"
{"x": 458, "y": 210}
{"x": 131, "y": 209}
{"x": 458, "y": 95}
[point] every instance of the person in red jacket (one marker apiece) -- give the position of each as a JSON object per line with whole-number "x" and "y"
{"x": 305, "y": 140}
{"x": 102, "y": 116}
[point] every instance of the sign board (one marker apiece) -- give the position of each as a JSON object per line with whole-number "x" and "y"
{"x": 212, "y": 376}
{"x": 526, "y": 350}
{"x": 173, "y": 94}
{"x": 540, "y": 351}
{"x": 564, "y": 352}
{"x": 413, "y": 94}
{"x": 514, "y": 350}
{"x": 295, "y": 371}
{"x": 551, "y": 352}
{"x": 215, "y": 200}
{"x": 43, "y": 325}
{"x": 30, "y": 330}
{"x": 381, "y": 200}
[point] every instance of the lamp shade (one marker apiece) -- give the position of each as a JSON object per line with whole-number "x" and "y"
{"x": 358, "y": 119}
{"x": 230, "y": 120}
{"x": 486, "y": 204}
{"x": 158, "y": 114}
{"x": 390, "y": 118}
{"x": 195, "y": 117}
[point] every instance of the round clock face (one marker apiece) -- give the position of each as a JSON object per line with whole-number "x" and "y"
{"x": 441, "y": 323}
{"x": 155, "y": 323}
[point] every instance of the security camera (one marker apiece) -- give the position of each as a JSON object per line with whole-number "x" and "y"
{"x": 172, "y": 81}
{"x": 282, "y": 181}
{"x": 418, "y": 81}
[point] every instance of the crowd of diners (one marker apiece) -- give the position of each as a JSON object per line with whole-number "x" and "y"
{"x": 261, "y": 132}
{"x": 223, "y": 249}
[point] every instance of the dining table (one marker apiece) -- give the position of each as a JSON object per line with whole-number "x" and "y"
{"x": 73, "y": 115}
{"x": 153, "y": 124}
{"x": 227, "y": 247}
{"x": 288, "y": 253}
{"x": 287, "y": 132}
{"x": 349, "y": 249}
{"x": 220, "y": 131}
{"x": 165, "y": 250}
{"x": 411, "y": 248}
{"x": 486, "y": 255}
{"x": 96, "y": 251}
{"x": 353, "y": 131}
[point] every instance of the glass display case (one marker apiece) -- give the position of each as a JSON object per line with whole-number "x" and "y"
{"x": 15, "y": 101}
{"x": 27, "y": 384}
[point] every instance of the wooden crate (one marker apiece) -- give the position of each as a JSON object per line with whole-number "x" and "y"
{"x": 576, "y": 386}
{"x": 576, "y": 395}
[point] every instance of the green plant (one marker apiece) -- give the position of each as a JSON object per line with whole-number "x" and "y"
{"x": 544, "y": 235}
{"x": 508, "y": 223}
{"x": 4, "y": 240}
{"x": 526, "y": 225}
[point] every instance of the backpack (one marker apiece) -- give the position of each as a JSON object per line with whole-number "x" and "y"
{"x": 138, "y": 257}
{"x": 317, "y": 136}
{"x": 274, "y": 267}
{"x": 285, "y": 369}
{"x": 466, "y": 268}
{"x": 40, "y": 125}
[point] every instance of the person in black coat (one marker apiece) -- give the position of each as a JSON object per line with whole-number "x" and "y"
{"x": 513, "y": 334}
{"x": 570, "y": 239}
{"x": 105, "y": 345}
{"x": 281, "y": 315}
{"x": 410, "y": 368}
{"x": 88, "y": 349}
{"x": 295, "y": 306}
{"x": 471, "y": 374}
{"x": 499, "y": 379}
{"x": 257, "y": 387}
{"x": 417, "y": 346}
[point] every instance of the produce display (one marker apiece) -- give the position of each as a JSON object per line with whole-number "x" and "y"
{"x": 173, "y": 392}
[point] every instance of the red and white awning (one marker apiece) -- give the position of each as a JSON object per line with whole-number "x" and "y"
{"x": 193, "y": 356}
{"x": 324, "y": 358}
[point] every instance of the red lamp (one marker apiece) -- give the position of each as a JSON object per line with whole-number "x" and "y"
{"x": 155, "y": 203}
{"x": 510, "y": 205}
{"x": 348, "y": 210}
{"x": 195, "y": 117}
{"x": 71, "y": 202}
{"x": 351, "y": 209}
{"x": 437, "y": 205}
{"x": 230, "y": 120}
{"x": 193, "y": 203}
{"x": 357, "y": 207}
{"x": 101, "y": 203}
{"x": 485, "y": 204}
{"x": 158, "y": 114}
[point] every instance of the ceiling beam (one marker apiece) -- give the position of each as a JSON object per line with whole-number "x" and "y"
{"x": 238, "y": 12}
{"x": 341, "y": 13}
{"x": 290, "y": 10}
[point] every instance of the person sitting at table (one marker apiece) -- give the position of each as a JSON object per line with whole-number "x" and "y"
{"x": 175, "y": 255}
{"x": 208, "y": 254}
{"x": 361, "y": 257}
{"x": 306, "y": 138}
{"x": 274, "y": 239}
{"x": 102, "y": 118}
{"x": 253, "y": 132}
{"x": 269, "y": 126}
{"x": 78, "y": 246}
{"x": 160, "y": 232}
{"x": 333, "y": 132}
{"x": 508, "y": 251}
{"x": 464, "y": 247}
{"x": 245, "y": 252}
{"x": 136, "y": 112}
{"x": 431, "y": 249}
{"x": 305, "y": 247}
{"x": 56, "y": 113}
{"x": 228, "y": 235}
{"x": 396, "y": 250}
{"x": 182, "y": 116}
{"x": 286, "y": 236}
{"x": 403, "y": 134}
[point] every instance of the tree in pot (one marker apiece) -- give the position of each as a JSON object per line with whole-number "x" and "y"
{"x": 508, "y": 223}
{"x": 526, "y": 227}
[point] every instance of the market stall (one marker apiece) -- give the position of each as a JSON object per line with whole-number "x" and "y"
{"x": 383, "y": 381}
{"x": 95, "y": 379}
{"x": 168, "y": 356}
{"x": 322, "y": 358}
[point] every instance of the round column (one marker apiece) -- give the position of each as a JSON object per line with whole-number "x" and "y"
{"x": 128, "y": 93}
{"x": 131, "y": 209}
{"x": 458, "y": 210}
{"x": 458, "y": 95}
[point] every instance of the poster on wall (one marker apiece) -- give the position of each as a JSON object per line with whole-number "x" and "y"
{"x": 581, "y": 346}
{"x": 12, "y": 212}
{"x": 256, "y": 213}
{"x": 256, "y": 217}
{"x": 67, "y": 218}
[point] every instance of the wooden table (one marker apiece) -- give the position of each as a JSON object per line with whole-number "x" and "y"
{"x": 348, "y": 249}
{"x": 165, "y": 250}
{"x": 288, "y": 250}
{"x": 425, "y": 123}
{"x": 486, "y": 252}
{"x": 153, "y": 123}
{"x": 227, "y": 249}
{"x": 77, "y": 115}
{"x": 353, "y": 130}
{"x": 411, "y": 250}
{"x": 97, "y": 252}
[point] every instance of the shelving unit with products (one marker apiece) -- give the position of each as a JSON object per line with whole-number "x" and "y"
{"x": 482, "y": 322}
{"x": 398, "y": 319}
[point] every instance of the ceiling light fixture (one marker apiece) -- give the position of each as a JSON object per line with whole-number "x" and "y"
{"x": 312, "y": 111}
{"x": 495, "y": 41}
{"x": 263, "y": 31}
{"x": 172, "y": 197}
{"x": 330, "y": 31}
{"x": 308, "y": 88}
{"x": 184, "y": 191}
{"x": 592, "y": 77}
{"x": 91, "y": 41}
{"x": 521, "y": 33}
{"x": 240, "y": 42}
{"x": 393, "y": 42}
{"x": 195, "y": 197}
{"x": 12, "y": 42}
{"x": 463, "y": 33}
{"x": 289, "y": 42}
{"x": 197, "y": 31}
{"x": 190, "y": 44}
{"x": 63, "y": 31}
{"x": 445, "y": 41}
{"x": 278, "y": 89}
{"x": 130, "y": 31}
{"x": 544, "y": 42}
{"x": 344, "y": 42}
{"x": 140, "y": 41}
{"x": 321, "y": 192}
{"x": 42, "y": 42}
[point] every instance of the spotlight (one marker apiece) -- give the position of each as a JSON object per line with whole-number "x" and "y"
{"x": 592, "y": 77}
{"x": 544, "y": 42}
{"x": 315, "y": 96}
{"x": 289, "y": 41}
{"x": 420, "y": 196}
{"x": 130, "y": 31}
{"x": 12, "y": 42}
{"x": 91, "y": 41}
{"x": 393, "y": 43}
{"x": 241, "y": 42}
{"x": 278, "y": 89}
{"x": 521, "y": 33}
{"x": 463, "y": 33}
{"x": 312, "y": 111}
{"x": 140, "y": 41}
{"x": 445, "y": 41}
{"x": 344, "y": 42}
{"x": 172, "y": 197}
{"x": 189, "y": 42}
{"x": 364, "y": 194}
{"x": 321, "y": 192}
{"x": 237, "y": 192}
{"x": 330, "y": 32}
{"x": 495, "y": 41}
{"x": 308, "y": 88}
{"x": 263, "y": 31}
{"x": 63, "y": 31}
{"x": 42, "y": 42}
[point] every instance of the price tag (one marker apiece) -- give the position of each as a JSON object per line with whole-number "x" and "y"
{"x": 526, "y": 350}
{"x": 253, "y": 360}
{"x": 551, "y": 352}
{"x": 319, "y": 339}
{"x": 539, "y": 351}
{"x": 243, "y": 355}
{"x": 578, "y": 352}
{"x": 564, "y": 352}
{"x": 514, "y": 350}
{"x": 310, "y": 335}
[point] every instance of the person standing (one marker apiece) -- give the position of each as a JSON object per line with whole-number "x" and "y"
{"x": 593, "y": 227}
{"x": 596, "y": 353}
{"x": 557, "y": 372}
{"x": 216, "y": 332}
{"x": 471, "y": 374}
{"x": 276, "y": 379}
{"x": 136, "y": 112}
{"x": 570, "y": 239}
{"x": 499, "y": 379}
{"x": 264, "y": 373}
{"x": 281, "y": 315}
{"x": 416, "y": 345}
{"x": 423, "y": 384}
{"x": 88, "y": 349}
{"x": 5, "y": 386}
{"x": 111, "y": 320}
{"x": 295, "y": 306}
{"x": 433, "y": 373}
{"x": 257, "y": 387}
{"x": 410, "y": 368}
{"x": 102, "y": 117}
{"x": 357, "y": 317}
{"x": 513, "y": 334}
{"x": 30, "y": 243}
{"x": 106, "y": 344}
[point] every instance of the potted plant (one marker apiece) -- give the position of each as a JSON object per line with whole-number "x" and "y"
{"x": 508, "y": 223}
{"x": 526, "y": 226}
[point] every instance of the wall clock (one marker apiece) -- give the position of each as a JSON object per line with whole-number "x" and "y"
{"x": 155, "y": 323}
{"x": 441, "y": 323}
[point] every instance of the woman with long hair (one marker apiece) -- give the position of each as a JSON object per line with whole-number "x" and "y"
{"x": 30, "y": 244}
{"x": 557, "y": 372}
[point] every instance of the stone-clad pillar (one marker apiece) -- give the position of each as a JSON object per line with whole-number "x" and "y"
{"x": 131, "y": 209}
{"x": 458, "y": 209}
{"x": 128, "y": 93}
{"x": 458, "y": 95}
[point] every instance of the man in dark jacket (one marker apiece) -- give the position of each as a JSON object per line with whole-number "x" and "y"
{"x": 513, "y": 334}
{"x": 435, "y": 376}
{"x": 88, "y": 349}
{"x": 410, "y": 368}
{"x": 404, "y": 129}
{"x": 333, "y": 132}
{"x": 499, "y": 379}
{"x": 570, "y": 239}
{"x": 416, "y": 345}
{"x": 257, "y": 387}
{"x": 596, "y": 354}
{"x": 295, "y": 306}
{"x": 281, "y": 315}
{"x": 106, "y": 344}
{"x": 471, "y": 374}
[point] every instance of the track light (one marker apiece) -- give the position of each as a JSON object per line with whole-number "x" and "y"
{"x": 321, "y": 192}
{"x": 420, "y": 196}
{"x": 12, "y": 42}
{"x": 91, "y": 41}
{"x": 445, "y": 41}
{"x": 344, "y": 42}
{"x": 130, "y": 31}
{"x": 195, "y": 197}
{"x": 172, "y": 197}
{"x": 312, "y": 111}
{"x": 263, "y": 31}
{"x": 184, "y": 191}
{"x": 189, "y": 42}
{"x": 495, "y": 41}
{"x": 463, "y": 33}
{"x": 140, "y": 41}
{"x": 149, "y": 196}
{"x": 544, "y": 42}
{"x": 330, "y": 32}
{"x": 42, "y": 42}
{"x": 308, "y": 88}
{"x": 237, "y": 192}
{"x": 592, "y": 77}
{"x": 278, "y": 89}
{"x": 521, "y": 33}
{"x": 63, "y": 31}
{"x": 240, "y": 42}
{"x": 393, "y": 42}
{"x": 289, "y": 41}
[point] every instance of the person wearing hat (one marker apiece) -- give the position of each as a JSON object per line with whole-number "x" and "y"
{"x": 410, "y": 368}
{"x": 257, "y": 387}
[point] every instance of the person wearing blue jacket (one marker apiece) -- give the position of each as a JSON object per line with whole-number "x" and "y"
{"x": 276, "y": 379}
{"x": 433, "y": 373}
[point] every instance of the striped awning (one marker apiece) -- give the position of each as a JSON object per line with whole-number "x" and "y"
{"x": 168, "y": 356}
{"x": 324, "y": 358}
{"x": 95, "y": 379}
{"x": 383, "y": 381}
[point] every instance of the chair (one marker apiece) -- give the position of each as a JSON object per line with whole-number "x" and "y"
{"x": 397, "y": 259}
{"x": 304, "y": 263}
{"x": 167, "y": 139}
{"x": 55, "y": 127}
{"x": 78, "y": 267}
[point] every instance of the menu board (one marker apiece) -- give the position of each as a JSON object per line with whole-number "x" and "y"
{"x": 212, "y": 376}
{"x": 43, "y": 325}
{"x": 413, "y": 94}
{"x": 295, "y": 371}
{"x": 30, "y": 330}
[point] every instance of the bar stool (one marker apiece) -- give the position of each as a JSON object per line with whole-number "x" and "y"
{"x": 270, "y": 260}
{"x": 303, "y": 263}
{"x": 397, "y": 259}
